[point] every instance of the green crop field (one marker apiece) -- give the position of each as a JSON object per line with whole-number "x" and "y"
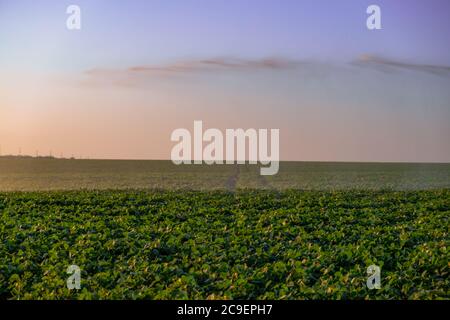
{"x": 149, "y": 229}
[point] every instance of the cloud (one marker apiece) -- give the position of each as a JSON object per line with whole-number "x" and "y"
{"x": 202, "y": 65}
{"x": 388, "y": 65}
{"x": 135, "y": 76}
{"x": 138, "y": 75}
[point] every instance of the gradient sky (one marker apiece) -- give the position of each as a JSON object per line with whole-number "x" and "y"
{"x": 136, "y": 71}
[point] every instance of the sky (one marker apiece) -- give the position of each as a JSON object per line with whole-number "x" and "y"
{"x": 137, "y": 70}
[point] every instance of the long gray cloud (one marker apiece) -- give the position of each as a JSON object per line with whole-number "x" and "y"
{"x": 138, "y": 74}
{"x": 388, "y": 65}
{"x": 202, "y": 65}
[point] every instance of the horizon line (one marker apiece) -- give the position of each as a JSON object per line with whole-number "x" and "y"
{"x": 246, "y": 161}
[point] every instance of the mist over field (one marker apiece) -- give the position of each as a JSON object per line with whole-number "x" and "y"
{"x": 44, "y": 174}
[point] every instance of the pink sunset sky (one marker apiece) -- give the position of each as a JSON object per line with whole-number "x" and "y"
{"x": 118, "y": 87}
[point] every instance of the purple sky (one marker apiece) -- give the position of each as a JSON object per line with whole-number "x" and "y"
{"x": 115, "y": 32}
{"x": 79, "y": 92}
